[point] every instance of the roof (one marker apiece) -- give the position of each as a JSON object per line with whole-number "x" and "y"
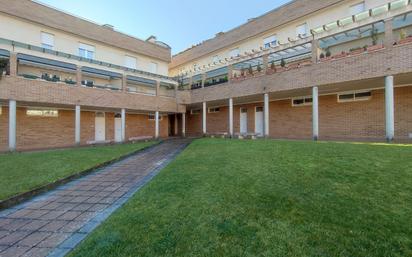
{"x": 275, "y": 18}
{"x": 53, "y": 18}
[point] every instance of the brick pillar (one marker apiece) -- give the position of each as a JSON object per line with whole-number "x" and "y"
{"x": 79, "y": 76}
{"x": 230, "y": 73}
{"x": 124, "y": 83}
{"x": 315, "y": 50}
{"x": 389, "y": 40}
{"x": 157, "y": 88}
{"x": 203, "y": 79}
{"x": 13, "y": 64}
{"x": 265, "y": 62}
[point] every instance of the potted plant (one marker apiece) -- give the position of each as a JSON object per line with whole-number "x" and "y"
{"x": 242, "y": 72}
{"x": 328, "y": 53}
{"x": 356, "y": 50}
{"x": 3, "y": 66}
{"x": 272, "y": 68}
{"x": 340, "y": 55}
{"x": 259, "y": 68}
{"x": 250, "y": 70}
{"x": 322, "y": 56}
{"x": 374, "y": 46}
{"x": 404, "y": 39}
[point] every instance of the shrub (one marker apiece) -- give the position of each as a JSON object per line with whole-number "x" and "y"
{"x": 272, "y": 65}
{"x": 328, "y": 53}
{"x": 250, "y": 70}
{"x": 322, "y": 55}
{"x": 259, "y": 68}
{"x": 282, "y": 63}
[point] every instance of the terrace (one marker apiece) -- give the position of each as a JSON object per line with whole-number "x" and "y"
{"x": 367, "y": 32}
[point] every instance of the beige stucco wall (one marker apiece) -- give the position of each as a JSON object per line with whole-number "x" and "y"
{"x": 314, "y": 20}
{"x": 30, "y": 33}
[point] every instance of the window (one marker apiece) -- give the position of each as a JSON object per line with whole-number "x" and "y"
{"x": 47, "y": 40}
{"x": 270, "y": 41}
{"x": 354, "y": 96}
{"x": 302, "y": 30}
{"x": 243, "y": 110}
{"x": 234, "y": 53}
{"x": 130, "y": 62}
{"x": 259, "y": 109}
{"x": 214, "y": 110}
{"x": 195, "y": 111}
{"x": 302, "y": 101}
{"x": 357, "y": 8}
{"x": 153, "y": 67}
{"x": 153, "y": 117}
{"x": 215, "y": 59}
{"x": 86, "y": 51}
{"x": 42, "y": 113}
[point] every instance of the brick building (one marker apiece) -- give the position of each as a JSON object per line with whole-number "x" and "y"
{"x": 333, "y": 69}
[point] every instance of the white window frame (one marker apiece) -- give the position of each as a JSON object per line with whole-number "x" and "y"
{"x": 38, "y": 112}
{"x": 234, "y": 52}
{"x": 130, "y": 62}
{"x": 305, "y": 102}
{"x": 154, "y": 67}
{"x": 354, "y": 99}
{"x": 271, "y": 41}
{"x": 195, "y": 111}
{"x": 47, "y": 40}
{"x": 213, "y": 110}
{"x": 88, "y": 50}
{"x": 355, "y": 9}
{"x": 299, "y": 28}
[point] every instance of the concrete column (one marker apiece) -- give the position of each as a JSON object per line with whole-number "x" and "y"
{"x": 390, "y": 110}
{"x": 231, "y": 117}
{"x": 77, "y": 125}
{"x": 315, "y": 50}
{"x": 157, "y": 125}
{"x": 266, "y": 114}
{"x": 124, "y": 83}
{"x": 123, "y": 125}
{"x": 315, "y": 113}
{"x": 389, "y": 40}
{"x": 204, "y": 118}
{"x": 183, "y": 124}
{"x": 13, "y": 64}
{"x": 12, "y": 125}
{"x": 176, "y": 125}
{"x": 79, "y": 76}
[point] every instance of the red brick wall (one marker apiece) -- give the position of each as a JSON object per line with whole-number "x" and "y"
{"x": 362, "y": 120}
{"x": 46, "y": 132}
{"x": 140, "y": 125}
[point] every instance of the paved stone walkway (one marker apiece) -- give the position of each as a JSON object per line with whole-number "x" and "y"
{"x": 54, "y": 223}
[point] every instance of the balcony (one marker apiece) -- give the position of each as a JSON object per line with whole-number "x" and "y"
{"x": 37, "y": 68}
{"x": 101, "y": 79}
{"x": 216, "y": 77}
{"x": 167, "y": 90}
{"x": 402, "y": 29}
{"x": 4, "y": 63}
{"x": 139, "y": 85}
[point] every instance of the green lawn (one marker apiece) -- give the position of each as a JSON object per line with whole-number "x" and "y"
{"x": 22, "y": 172}
{"x": 268, "y": 198}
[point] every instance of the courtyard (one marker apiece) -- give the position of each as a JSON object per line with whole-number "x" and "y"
{"x": 268, "y": 198}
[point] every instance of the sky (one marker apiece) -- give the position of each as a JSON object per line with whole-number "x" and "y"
{"x": 178, "y": 23}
